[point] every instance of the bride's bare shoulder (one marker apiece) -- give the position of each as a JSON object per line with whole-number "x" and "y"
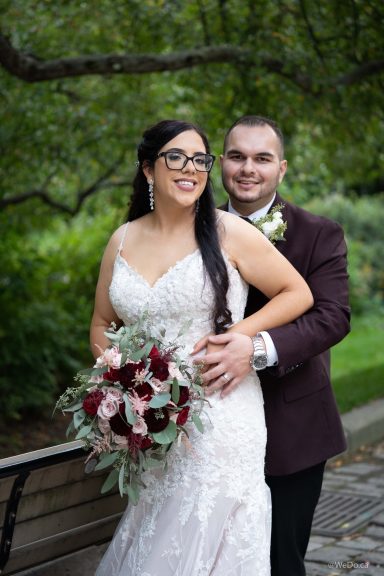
{"x": 230, "y": 223}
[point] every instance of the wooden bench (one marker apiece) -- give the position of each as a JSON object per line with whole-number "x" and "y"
{"x": 50, "y": 507}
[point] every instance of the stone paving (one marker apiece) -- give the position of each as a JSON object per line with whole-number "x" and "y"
{"x": 362, "y": 552}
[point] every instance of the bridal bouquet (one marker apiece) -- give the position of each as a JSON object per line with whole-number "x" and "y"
{"x": 132, "y": 406}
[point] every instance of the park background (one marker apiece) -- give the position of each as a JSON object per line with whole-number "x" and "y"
{"x": 79, "y": 83}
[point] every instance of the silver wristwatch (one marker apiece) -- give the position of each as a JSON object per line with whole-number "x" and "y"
{"x": 259, "y": 358}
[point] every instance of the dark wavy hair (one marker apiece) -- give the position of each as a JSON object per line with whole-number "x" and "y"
{"x": 154, "y": 138}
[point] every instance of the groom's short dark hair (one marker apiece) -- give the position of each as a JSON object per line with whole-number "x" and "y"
{"x": 254, "y": 120}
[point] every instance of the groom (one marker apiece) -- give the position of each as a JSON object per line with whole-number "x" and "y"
{"x": 303, "y": 423}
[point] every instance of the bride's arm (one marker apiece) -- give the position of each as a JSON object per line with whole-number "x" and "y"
{"x": 262, "y": 266}
{"x": 103, "y": 313}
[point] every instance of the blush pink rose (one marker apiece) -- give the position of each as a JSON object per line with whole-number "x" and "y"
{"x": 107, "y": 408}
{"x": 140, "y": 426}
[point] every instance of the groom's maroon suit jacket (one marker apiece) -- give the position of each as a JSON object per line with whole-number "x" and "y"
{"x": 303, "y": 422}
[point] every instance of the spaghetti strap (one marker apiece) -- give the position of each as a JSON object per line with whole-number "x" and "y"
{"x": 123, "y": 238}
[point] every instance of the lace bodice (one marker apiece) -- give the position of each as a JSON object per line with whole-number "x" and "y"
{"x": 183, "y": 294}
{"x": 208, "y": 513}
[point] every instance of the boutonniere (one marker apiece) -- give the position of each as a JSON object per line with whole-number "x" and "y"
{"x": 272, "y": 224}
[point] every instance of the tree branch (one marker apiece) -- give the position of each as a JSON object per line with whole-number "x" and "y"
{"x": 360, "y": 73}
{"x": 31, "y": 69}
{"x": 101, "y": 183}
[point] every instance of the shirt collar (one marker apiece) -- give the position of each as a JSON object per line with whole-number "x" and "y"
{"x": 256, "y": 215}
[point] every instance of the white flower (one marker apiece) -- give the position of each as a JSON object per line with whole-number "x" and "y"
{"x": 272, "y": 224}
{"x": 107, "y": 408}
{"x": 269, "y": 228}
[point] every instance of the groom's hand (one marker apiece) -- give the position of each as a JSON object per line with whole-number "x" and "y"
{"x": 227, "y": 364}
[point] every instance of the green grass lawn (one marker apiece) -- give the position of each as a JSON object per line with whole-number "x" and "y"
{"x": 358, "y": 363}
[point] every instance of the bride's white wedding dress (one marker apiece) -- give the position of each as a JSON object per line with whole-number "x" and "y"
{"x": 208, "y": 514}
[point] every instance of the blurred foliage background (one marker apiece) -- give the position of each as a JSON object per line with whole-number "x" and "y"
{"x": 67, "y": 143}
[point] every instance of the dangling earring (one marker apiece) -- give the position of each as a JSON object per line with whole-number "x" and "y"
{"x": 197, "y": 205}
{"x": 151, "y": 197}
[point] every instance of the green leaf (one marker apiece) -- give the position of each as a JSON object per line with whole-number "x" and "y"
{"x": 78, "y": 418}
{"x": 148, "y": 347}
{"x": 198, "y": 423}
{"x": 184, "y": 328}
{"x": 83, "y": 432}
{"x": 111, "y": 480}
{"x": 167, "y": 435}
{"x": 160, "y": 400}
{"x": 106, "y": 460}
{"x": 130, "y": 416}
{"x": 175, "y": 391}
{"x": 133, "y": 493}
{"x": 121, "y": 480}
{"x": 71, "y": 428}
{"x": 136, "y": 355}
{"x": 152, "y": 463}
{"x": 73, "y": 408}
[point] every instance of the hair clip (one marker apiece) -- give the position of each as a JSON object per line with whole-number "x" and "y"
{"x": 137, "y": 164}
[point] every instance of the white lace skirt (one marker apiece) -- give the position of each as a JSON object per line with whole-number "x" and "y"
{"x": 210, "y": 512}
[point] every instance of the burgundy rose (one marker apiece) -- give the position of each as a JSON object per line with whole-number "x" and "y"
{"x": 118, "y": 422}
{"x": 184, "y": 395}
{"x": 126, "y": 374}
{"x": 183, "y": 416}
{"x": 145, "y": 443}
{"x": 154, "y": 353}
{"x": 156, "y": 419}
{"x": 92, "y": 401}
{"x": 159, "y": 367}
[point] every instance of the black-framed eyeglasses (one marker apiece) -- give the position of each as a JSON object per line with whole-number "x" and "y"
{"x": 178, "y": 160}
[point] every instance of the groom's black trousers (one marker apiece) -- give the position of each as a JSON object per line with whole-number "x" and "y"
{"x": 294, "y": 499}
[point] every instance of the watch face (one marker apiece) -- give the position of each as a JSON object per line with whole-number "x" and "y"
{"x": 260, "y": 361}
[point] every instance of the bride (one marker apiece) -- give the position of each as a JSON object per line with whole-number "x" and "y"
{"x": 178, "y": 260}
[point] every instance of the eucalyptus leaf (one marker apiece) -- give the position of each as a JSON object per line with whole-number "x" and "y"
{"x": 152, "y": 463}
{"x": 74, "y": 407}
{"x": 160, "y": 400}
{"x": 184, "y": 328}
{"x": 83, "y": 432}
{"x": 130, "y": 416}
{"x": 78, "y": 418}
{"x": 111, "y": 480}
{"x": 121, "y": 480}
{"x": 133, "y": 493}
{"x": 198, "y": 423}
{"x": 71, "y": 428}
{"x": 106, "y": 460}
{"x": 167, "y": 435}
{"x": 136, "y": 355}
{"x": 175, "y": 391}
{"x": 148, "y": 347}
